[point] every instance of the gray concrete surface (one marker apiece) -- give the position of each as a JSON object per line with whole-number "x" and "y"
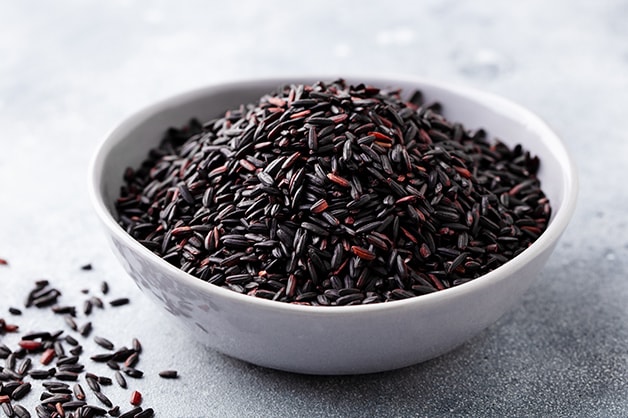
{"x": 70, "y": 71}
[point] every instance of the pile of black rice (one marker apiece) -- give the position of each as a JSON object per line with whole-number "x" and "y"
{"x": 56, "y": 358}
{"x": 334, "y": 194}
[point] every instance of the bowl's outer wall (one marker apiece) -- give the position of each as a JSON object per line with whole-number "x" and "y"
{"x": 336, "y": 341}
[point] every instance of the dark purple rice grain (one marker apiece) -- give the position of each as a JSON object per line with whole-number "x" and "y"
{"x": 132, "y": 360}
{"x": 74, "y": 368}
{"x": 10, "y": 362}
{"x": 104, "y": 343}
{"x": 61, "y": 390}
{"x": 15, "y": 311}
{"x": 169, "y": 374}
{"x": 115, "y": 411}
{"x": 21, "y": 412}
{"x": 52, "y": 384}
{"x": 70, "y": 310}
{"x": 104, "y": 399}
{"x": 66, "y": 376}
{"x": 78, "y": 391}
{"x": 4, "y": 351}
{"x": 72, "y": 405}
{"x": 137, "y": 345}
{"x": 70, "y": 321}
{"x": 7, "y": 408}
{"x": 119, "y": 302}
{"x": 120, "y": 379}
{"x": 87, "y": 307}
{"x": 21, "y": 391}
{"x": 132, "y": 372}
{"x": 39, "y": 374}
{"x": 345, "y": 300}
{"x": 422, "y": 289}
{"x": 76, "y": 350}
{"x": 101, "y": 358}
{"x": 70, "y": 340}
{"x": 113, "y": 365}
{"x": 42, "y": 411}
{"x": 67, "y": 360}
{"x": 104, "y": 380}
{"x": 92, "y": 382}
{"x": 85, "y": 329}
{"x": 24, "y": 366}
{"x": 59, "y": 398}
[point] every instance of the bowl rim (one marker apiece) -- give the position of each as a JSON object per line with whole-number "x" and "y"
{"x": 556, "y": 227}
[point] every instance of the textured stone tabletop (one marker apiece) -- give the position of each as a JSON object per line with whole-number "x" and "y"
{"x": 70, "y": 71}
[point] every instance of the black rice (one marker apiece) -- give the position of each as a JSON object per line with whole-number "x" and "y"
{"x": 119, "y": 302}
{"x": 7, "y": 408}
{"x": 58, "y": 398}
{"x": 85, "y": 329}
{"x": 21, "y": 412}
{"x": 21, "y": 391}
{"x": 169, "y": 374}
{"x": 79, "y": 393}
{"x": 104, "y": 399}
{"x": 137, "y": 345}
{"x": 328, "y": 186}
{"x": 120, "y": 379}
{"x": 103, "y": 342}
{"x": 132, "y": 372}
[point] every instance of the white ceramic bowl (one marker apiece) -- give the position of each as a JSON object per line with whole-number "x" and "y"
{"x": 333, "y": 340}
